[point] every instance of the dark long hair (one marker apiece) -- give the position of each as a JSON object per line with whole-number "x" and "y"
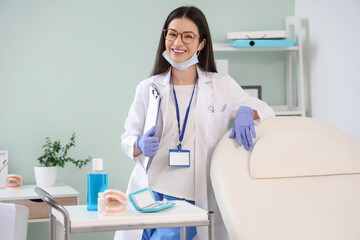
{"x": 206, "y": 56}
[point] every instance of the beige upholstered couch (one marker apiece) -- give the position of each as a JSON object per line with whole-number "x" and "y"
{"x": 301, "y": 180}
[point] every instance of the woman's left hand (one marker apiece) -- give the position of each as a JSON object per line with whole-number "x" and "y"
{"x": 244, "y": 127}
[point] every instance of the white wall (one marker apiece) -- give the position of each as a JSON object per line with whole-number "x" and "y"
{"x": 332, "y": 61}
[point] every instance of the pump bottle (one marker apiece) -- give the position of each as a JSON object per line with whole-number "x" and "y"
{"x": 97, "y": 181}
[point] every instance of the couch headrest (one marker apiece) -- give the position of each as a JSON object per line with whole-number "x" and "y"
{"x": 299, "y": 147}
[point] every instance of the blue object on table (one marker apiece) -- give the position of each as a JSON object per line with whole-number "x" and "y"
{"x": 97, "y": 181}
{"x": 144, "y": 201}
{"x": 262, "y": 43}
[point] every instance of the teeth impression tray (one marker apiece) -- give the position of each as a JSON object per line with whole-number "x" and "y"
{"x": 144, "y": 201}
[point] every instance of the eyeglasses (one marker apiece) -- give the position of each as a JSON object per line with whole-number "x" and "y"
{"x": 186, "y": 37}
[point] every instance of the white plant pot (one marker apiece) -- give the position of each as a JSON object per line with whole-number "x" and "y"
{"x": 45, "y": 176}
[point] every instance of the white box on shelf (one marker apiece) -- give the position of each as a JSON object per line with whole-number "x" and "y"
{"x": 257, "y": 34}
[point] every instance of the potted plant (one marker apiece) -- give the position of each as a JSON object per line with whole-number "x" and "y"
{"x": 55, "y": 155}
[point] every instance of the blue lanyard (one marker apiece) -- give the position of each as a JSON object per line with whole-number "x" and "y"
{"x": 181, "y": 134}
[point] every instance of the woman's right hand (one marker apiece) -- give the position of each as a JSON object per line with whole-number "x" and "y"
{"x": 148, "y": 144}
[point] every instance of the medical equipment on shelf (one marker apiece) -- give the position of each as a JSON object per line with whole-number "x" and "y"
{"x": 275, "y": 34}
{"x": 262, "y": 43}
{"x": 144, "y": 201}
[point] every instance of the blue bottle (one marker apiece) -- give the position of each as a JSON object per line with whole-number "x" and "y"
{"x": 97, "y": 181}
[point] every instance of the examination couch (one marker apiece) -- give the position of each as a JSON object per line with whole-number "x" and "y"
{"x": 301, "y": 180}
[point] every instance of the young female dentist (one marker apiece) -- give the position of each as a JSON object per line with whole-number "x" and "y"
{"x": 196, "y": 107}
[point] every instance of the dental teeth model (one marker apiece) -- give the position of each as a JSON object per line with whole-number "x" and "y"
{"x": 14, "y": 181}
{"x": 114, "y": 202}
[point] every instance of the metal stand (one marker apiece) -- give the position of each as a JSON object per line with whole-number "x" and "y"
{"x": 211, "y": 226}
{"x": 46, "y": 197}
{"x": 183, "y": 233}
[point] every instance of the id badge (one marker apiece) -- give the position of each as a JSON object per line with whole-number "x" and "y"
{"x": 179, "y": 158}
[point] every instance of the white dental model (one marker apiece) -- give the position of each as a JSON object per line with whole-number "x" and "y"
{"x": 114, "y": 202}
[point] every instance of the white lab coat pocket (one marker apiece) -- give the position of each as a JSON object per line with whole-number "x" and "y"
{"x": 217, "y": 118}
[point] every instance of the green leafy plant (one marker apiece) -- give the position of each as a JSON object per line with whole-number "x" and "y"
{"x": 56, "y": 155}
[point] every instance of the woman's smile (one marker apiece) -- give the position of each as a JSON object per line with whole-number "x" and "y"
{"x": 178, "y": 51}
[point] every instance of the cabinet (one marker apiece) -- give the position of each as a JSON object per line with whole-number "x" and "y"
{"x": 295, "y": 85}
{"x": 39, "y": 210}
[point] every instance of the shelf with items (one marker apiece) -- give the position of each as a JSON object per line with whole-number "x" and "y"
{"x": 295, "y": 95}
{"x": 225, "y": 47}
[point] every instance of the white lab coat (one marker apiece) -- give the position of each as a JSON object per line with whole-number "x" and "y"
{"x": 218, "y": 100}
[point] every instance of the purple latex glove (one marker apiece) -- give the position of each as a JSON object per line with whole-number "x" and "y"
{"x": 148, "y": 143}
{"x": 244, "y": 127}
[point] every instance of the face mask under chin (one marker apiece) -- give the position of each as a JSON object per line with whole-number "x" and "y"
{"x": 183, "y": 65}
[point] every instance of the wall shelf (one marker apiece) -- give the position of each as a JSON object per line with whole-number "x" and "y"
{"x": 295, "y": 95}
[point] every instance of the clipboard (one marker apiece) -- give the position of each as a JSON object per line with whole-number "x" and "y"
{"x": 151, "y": 118}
